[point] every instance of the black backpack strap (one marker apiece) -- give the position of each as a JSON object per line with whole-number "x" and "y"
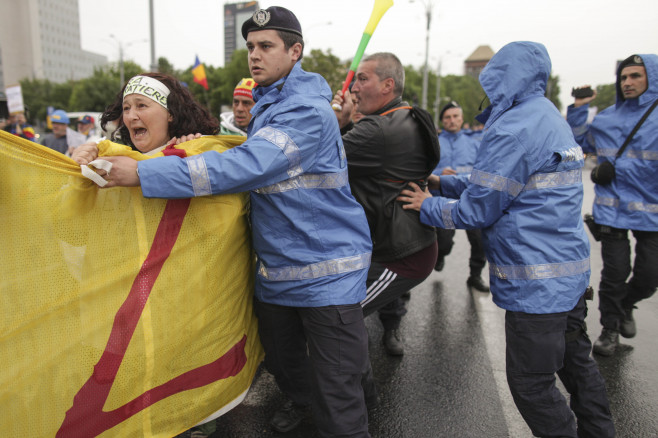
{"x": 431, "y": 136}
{"x": 637, "y": 126}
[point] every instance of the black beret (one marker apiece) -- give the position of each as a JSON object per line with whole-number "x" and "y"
{"x": 451, "y": 104}
{"x": 274, "y": 17}
{"x": 630, "y": 61}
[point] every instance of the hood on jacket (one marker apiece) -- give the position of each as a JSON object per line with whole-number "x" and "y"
{"x": 520, "y": 69}
{"x": 651, "y": 67}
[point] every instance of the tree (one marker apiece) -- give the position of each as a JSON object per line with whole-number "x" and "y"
{"x": 466, "y": 91}
{"x": 164, "y": 66}
{"x": 39, "y": 94}
{"x": 553, "y": 91}
{"x": 606, "y": 95}
{"x": 221, "y": 82}
{"x": 328, "y": 66}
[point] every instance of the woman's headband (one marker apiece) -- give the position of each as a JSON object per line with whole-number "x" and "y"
{"x": 149, "y": 87}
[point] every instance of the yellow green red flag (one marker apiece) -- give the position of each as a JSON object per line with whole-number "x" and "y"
{"x": 122, "y": 316}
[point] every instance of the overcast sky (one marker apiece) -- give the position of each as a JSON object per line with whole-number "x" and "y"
{"x": 584, "y": 37}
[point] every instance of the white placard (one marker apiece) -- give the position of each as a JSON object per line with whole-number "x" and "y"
{"x": 14, "y": 99}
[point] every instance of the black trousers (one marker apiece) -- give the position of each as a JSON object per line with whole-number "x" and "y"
{"x": 385, "y": 288}
{"x": 615, "y": 293}
{"x": 538, "y": 347}
{"x": 478, "y": 259}
{"x": 318, "y": 356}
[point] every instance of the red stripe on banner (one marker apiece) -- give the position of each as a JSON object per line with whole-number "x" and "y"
{"x": 86, "y": 417}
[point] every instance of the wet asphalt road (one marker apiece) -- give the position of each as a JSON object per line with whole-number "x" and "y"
{"x": 451, "y": 380}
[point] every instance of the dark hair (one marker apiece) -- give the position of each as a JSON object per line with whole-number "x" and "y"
{"x": 189, "y": 117}
{"x": 290, "y": 39}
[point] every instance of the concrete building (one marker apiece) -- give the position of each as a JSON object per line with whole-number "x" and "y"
{"x": 40, "y": 39}
{"x": 234, "y": 15}
{"x": 476, "y": 62}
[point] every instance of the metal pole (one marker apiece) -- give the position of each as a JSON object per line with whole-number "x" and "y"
{"x": 427, "y": 49}
{"x": 154, "y": 65}
{"x": 437, "y": 101}
{"x": 121, "y": 76}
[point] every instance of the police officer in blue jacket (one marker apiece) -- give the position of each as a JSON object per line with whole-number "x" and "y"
{"x": 459, "y": 150}
{"x": 525, "y": 192}
{"x": 630, "y": 200}
{"x": 310, "y": 235}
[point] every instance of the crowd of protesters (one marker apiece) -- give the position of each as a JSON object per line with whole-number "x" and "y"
{"x": 345, "y": 214}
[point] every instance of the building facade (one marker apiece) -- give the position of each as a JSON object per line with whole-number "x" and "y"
{"x": 40, "y": 39}
{"x": 477, "y": 60}
{"x": 234, "y": 15}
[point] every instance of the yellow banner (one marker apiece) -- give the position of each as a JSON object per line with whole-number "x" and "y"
{"x": 121, "y": 316}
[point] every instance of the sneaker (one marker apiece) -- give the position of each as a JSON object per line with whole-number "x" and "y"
{"x": 477, "y": 283}
{"x": 627, "y": 328}
{"x": 288, "y": 417}
{"x": 440, "y": 264}
{"x": 606, "y": 344}
{"x": 392, "y": 343}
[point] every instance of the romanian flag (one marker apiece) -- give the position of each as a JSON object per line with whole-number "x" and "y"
{"x": 199, "y": 73}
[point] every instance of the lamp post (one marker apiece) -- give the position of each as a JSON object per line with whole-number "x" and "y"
{"x": 121, "y": 46}
{"x": 428, "y": 14}
{"x": 154, "y": 65}
{"x": 437, "y": 100}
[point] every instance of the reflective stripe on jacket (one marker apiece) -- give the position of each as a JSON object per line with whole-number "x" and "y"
{"x": 631, "y": 200}
{"x": 525, "y": 191}
{"x": 309, "y": 233}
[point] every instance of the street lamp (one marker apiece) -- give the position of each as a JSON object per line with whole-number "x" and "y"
{"x": 428, "y": 13}
{"x": 437, "y": 100}
{"x": 121, "y": 46}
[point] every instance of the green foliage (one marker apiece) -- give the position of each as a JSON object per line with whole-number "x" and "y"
{"x": 413, "y": 85}
{"x": 466, "y": 91}
{"x": 221, "y": 82}
{"x": 96, "y": 92}
{"x": 463, "y": 89}
{"x": 328, "y": 66}
{"x": 38, "y": 94}
{"x": 130, "y": 69}
{"x": 553, "y": 91}
{"x": 606, "y": 95}
{"x": 164, "y": 66}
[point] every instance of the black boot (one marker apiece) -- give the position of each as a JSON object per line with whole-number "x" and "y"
{"x": 476, "y": 282}
{"x": 607, "y": 342}
{"x": 392, "y": 343}
{"x": 628, "y": 329}
{"x": 288, "y": 417}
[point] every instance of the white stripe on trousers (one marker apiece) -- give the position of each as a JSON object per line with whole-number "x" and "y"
{"x": 379, "y": 286}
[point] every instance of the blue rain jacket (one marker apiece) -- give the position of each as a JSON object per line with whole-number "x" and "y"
{"x": 630, "y": 201}
{"x": 525, "y": 191}
{"x": 309, "y": 233}
{"x": 458, "y": 151}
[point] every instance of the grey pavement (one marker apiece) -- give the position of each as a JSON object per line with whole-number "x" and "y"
{"x": 451, "y": 381}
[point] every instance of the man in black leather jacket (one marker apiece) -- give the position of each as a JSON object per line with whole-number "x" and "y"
{"x": 393, "y": 145}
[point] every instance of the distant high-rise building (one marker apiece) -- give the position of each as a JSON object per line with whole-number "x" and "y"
{"x": 234, "y": 15}
{"x": 40, "y": 39}
{"x": 478, "y": 59}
